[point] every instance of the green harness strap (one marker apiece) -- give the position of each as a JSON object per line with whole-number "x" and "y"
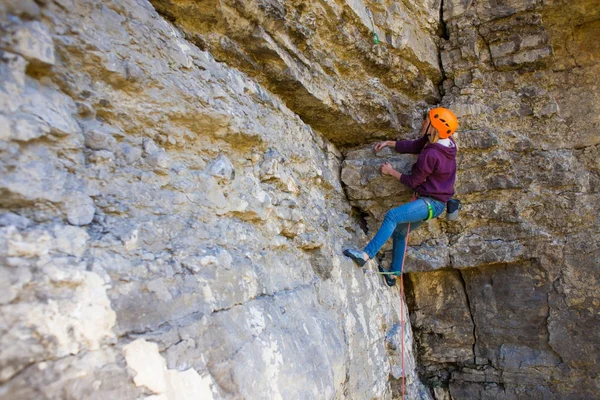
{"x": 429, "y": 209}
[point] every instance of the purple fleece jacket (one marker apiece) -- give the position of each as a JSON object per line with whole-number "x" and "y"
{"x": 434, "y": 173}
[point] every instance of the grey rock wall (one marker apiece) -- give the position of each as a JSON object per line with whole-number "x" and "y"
{"x": 504, "y": 302}
{"x": 170, "y": 229}
{"x": 177, "y": 184}
{"x": 320, "y": 58}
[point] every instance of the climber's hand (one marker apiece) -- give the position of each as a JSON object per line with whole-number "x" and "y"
{"x": 387, "y": 169}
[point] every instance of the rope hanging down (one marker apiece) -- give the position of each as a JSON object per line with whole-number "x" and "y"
{"x": 401, "y": 304}
{"x": 375, "y": 35}
{"x": 402, "y": 307}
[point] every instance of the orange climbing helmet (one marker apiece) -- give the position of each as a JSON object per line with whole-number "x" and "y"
{"x": 444, "y": 121}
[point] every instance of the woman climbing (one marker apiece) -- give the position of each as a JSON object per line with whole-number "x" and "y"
{"x": 432, "y": 178}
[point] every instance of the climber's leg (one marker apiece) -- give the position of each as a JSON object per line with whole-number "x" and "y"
{"x": 399, "y": 244}
{"x": 414, "y": 211}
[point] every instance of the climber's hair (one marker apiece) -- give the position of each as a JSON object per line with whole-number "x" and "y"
{"x": 434, "y": 136}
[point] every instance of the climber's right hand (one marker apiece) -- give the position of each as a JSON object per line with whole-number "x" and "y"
{"x": 381, "y": 145}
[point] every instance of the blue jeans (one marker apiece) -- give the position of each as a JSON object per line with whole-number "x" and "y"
{"x": 395, "y": 224}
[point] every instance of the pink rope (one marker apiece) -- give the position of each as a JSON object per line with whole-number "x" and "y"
{"x": 402, "y": 308}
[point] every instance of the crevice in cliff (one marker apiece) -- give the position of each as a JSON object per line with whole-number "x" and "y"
{"x": 444, "y": 35}
{"x": 21, "y": 370}
{"x": 359, "y": 216}
{"x": 548, "y": 341}
{"x": 263, "y": 296}
{"x": 198, "y": 315}
{"x": 36, "y": 363}
{"x": 487, "y": 46}
{"x": 555, "y": 285}
{"x": 568, "y": 50}
{"x": 470, "y": 309}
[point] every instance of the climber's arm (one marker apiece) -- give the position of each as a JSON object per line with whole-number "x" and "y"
{"x": 411, "y": 146}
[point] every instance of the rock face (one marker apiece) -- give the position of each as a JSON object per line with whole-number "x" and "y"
{"x": 319, "y": 57}
{"x": 511, "y": 309}
{"x": 178, "y": 179}
{"x": 170, "y": 229}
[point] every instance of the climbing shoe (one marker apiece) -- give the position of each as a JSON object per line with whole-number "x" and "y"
{"x": 390, "y": 280}
{"x": 355, "y": 255}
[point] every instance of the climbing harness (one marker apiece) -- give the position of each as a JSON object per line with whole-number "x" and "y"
{"x": 375, "y": 35}
{"x": 429, "y": 209}
{"x": 452, "y": 207}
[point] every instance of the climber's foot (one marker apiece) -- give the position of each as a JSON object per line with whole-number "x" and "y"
{"x": 359, "y": 257}
{"x": 390, "y": 280}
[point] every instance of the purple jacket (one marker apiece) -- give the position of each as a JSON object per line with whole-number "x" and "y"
{"x": 434, "y": 173}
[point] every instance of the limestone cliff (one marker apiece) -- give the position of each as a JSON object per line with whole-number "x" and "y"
{"x": 178, "y": 179}
{"x": 170, "y": 229}
{"x": 511, "y": 308}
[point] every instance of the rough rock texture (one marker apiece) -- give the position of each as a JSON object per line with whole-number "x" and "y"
{"x": 169, "y": 229}
{"x": 512, "y": 308}
{"x": 171, "y": 225}
{"x": 320, "y": 58}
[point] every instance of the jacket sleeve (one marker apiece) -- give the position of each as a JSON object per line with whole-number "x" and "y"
{"x": 411, "y": 146}
{"x": 425, "y": 165}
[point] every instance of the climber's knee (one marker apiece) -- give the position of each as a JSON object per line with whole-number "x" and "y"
{"x": 399, "y": 232}
{"x": 390, "y": 217}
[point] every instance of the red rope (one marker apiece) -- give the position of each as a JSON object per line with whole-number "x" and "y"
{"x": 402, "y": 307}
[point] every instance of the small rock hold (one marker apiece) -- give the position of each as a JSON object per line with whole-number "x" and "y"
{"x": 100, "y": 136}
{"x": 26, "y": 8}
{"x": 397, "y": 372}
{"x": 27, "y": 127}
{"x": 101, "y": 157}
{"x": 80, "y": 209}
{"x": 221, "y": 168}
{"x": 159, "y": 160}
{"x": 98, "y": 140}
{"x": 150, "y": 147}
{"x": 84, "y": 109}
{"x": 31, "y": 40}
{"x": 10, "y": 219}
{"x": 130, "y": 154}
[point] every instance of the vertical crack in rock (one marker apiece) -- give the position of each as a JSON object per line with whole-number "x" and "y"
{"x": 487, "y": 46}
{"x": 361, "y": 218}
{"x": 359, "y": 215}
{"x": 444, "y": 35}
{"x": 568, "y": 50}
{"x": 547, "y": 322}
{"x": 464, "y": 285}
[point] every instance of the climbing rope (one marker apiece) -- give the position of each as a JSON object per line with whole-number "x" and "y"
{"x": 375, "y": 35}
{"x": 401, "y": 303}
{"x": 402, "y": 307}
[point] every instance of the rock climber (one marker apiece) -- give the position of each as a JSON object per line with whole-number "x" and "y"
{"x": 432, "y": 179}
